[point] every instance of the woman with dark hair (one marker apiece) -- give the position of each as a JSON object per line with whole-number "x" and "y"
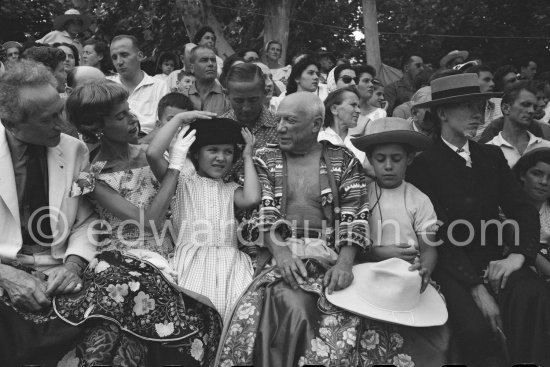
{"x": 71, "y": 52}
{"x": 129, "y": 289}
{"x": 533, "y": 172}
{"x": 96, "y": 53}
{"x": 272, "y": 53}
{"x": 166, "y": 63}
{"x": 206, "y": 37}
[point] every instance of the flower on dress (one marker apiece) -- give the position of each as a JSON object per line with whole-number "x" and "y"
{"x": 234, "y": 330}
{"x": 397, "y": 340}
{"x": 403, "y": 360}
{"x": 101, "y": 266}
{"x": 350, "y": 336}
{"x": 319, "y": 347}
{"x": 324, "y": 332}
{"x": 93, "y": 263}
{"x": 164, "y": 329}
{"x": 197, "y": 350}
{"x": 370, "y": 339}
{"x": 134, "y": 286}
{"x": 117, "y": 292}
{"x": 245, "y": 311}
{"x": 226, "y": 363}
{"x": 330, "y": 321}
{"x": 144, "y": 304}
{"x": 134, "y": 273}
{"x": 302, "y": 361}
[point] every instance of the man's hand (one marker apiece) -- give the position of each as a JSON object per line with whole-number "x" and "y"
{"x": 424, "y": 272}
{"x": 338, "y": 277}
{"x": 291, "y": 267}
{"x": 499, "y": 271}
{"x": 24, "y": 290}
{"x": 487, "y": 305}
{"x": 402, "y": 250}
{"x": 63, "y": 279}
{"x": 249, "y": 139}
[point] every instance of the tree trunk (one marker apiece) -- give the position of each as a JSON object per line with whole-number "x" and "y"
{"x": 370, "y": 25}
{"x": 277, "y": 23}
{"x": 196, "y": 14}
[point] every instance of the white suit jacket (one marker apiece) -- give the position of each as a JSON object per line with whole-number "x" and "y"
{"x": 70, "y": 218}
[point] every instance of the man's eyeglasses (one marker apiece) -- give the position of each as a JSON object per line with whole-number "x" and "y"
{"x": 347, "y": 79}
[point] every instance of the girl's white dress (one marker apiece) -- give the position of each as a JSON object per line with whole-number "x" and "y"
{"x": 207, "y": 259}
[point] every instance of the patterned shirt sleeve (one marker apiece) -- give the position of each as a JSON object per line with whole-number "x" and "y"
{"x": 268, "y": 218}
{"x": 353, "y": 228}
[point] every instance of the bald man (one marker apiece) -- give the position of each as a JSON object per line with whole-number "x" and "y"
{"x": 316, "y": 192}
{"x": 81, "y": 74}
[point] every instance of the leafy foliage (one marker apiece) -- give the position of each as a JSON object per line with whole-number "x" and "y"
{"x": 405, "y": 25}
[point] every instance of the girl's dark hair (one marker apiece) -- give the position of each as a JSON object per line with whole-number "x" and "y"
{"x": 73, "y": 49}
{"x": 297, "y": 71}
{"x": 201, "y": 32}
{"x": 101, "y": 48}
{"x": 167, "y": 56}
{"x": 335, "y": 98}
{"x": 530, "y": 160}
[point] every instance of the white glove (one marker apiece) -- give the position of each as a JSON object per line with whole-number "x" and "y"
{"x": 178, "y": 152}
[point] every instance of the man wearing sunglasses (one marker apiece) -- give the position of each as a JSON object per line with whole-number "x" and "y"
{"x": 402, "y": 90}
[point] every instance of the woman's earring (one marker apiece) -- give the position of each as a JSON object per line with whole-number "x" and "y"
{"x": 98, "y": 135}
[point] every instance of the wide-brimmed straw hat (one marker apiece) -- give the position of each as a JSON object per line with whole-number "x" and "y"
{"x": 216, "y": 131}
{"x": 453, "y": 55}
{"x": 456, "y": 88}
{"x": 71, "y": 14}
{"x": 391, "y": 130}
{"x": 389, "y": 291}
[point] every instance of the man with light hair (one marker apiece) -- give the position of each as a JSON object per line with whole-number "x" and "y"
{"x": 45, "y": 244}
{"x": 314, "y": 208}
{"x": 145, "y": 91}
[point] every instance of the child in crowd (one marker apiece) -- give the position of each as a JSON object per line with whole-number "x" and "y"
{"x": 185, "y": 81}
{"x": 533, "y": 172}
{"x": 403, "y": 220}
{"x": 207, "y": 259}
{"x": 378, "y": 100}
{"x": 167, "y": 62}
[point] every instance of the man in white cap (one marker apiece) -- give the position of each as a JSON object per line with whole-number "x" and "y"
{"x": 453, "y": 58}
{"x": 491, "y": 293}
{"x": 66, "y": 29}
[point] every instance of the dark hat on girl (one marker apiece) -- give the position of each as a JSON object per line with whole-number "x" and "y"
{"x": 216, "y": 131}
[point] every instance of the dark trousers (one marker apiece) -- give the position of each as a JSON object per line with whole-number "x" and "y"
{"x": 525, "y": 311}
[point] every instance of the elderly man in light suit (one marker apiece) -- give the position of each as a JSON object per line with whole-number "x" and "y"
{"x": 46, "y": 236}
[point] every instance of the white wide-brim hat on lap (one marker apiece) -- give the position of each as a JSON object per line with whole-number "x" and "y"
{"x": 389, "y": 291}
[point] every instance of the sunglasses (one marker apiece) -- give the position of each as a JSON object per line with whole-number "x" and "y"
{"x": 347, "y": 79}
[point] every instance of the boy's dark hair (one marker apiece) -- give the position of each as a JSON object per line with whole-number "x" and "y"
{"x": 512, "y": 92}
{"x": 176, "y": 100}
{"x": 500, "y": 73}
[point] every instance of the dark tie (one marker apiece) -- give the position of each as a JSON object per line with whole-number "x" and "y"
{"x": 35, "y": 201}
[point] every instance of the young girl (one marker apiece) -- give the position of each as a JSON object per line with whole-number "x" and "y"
{"x": 167, "y": 62}
{"x": 206, "y": 259}
{"x": 402, "y": 221}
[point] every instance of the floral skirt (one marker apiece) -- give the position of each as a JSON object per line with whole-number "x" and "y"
{"x": 275, "y": 325}
{"x": 133, "y": 316}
